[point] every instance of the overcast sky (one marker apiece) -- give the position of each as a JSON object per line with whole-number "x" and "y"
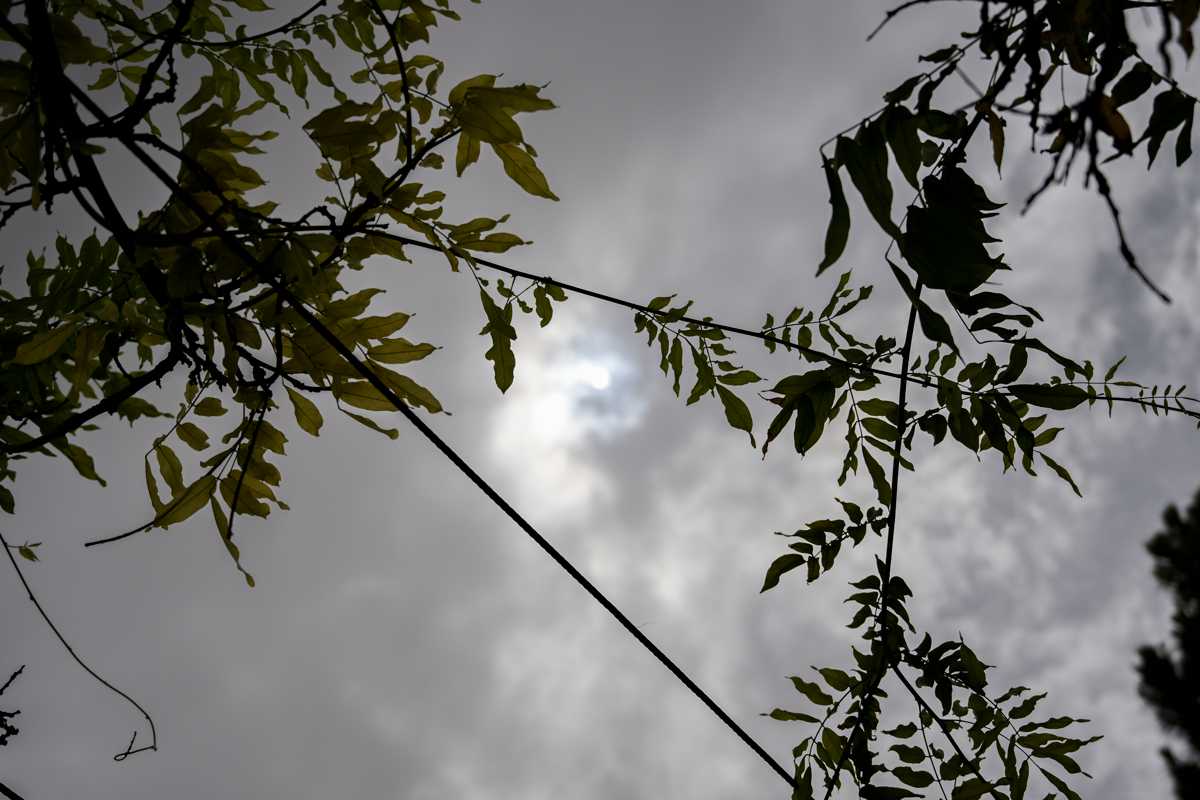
{"x": 407, "y": 641}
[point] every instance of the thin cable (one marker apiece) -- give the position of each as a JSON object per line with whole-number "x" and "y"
{"x": 369, "y": 375}
{"x": 706, "y": 323}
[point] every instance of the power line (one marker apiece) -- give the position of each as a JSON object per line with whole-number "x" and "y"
{"x": 369, "y": 375}
{"x": 644, "y": 309}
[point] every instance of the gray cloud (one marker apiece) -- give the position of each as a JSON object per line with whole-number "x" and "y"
{"x": 405, "y": 639}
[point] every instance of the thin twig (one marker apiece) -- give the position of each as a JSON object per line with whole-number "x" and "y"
{"x": 400, "y": 63}
{"x": 12, "y": 678}
{"x": 70, "y": 650}
{"x": 945, "y": 729}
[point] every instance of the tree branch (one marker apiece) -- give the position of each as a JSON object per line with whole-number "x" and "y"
{"x": 105, "y": 406}
{"x": 264, "y": 274}
{"x": 70, "y": 650}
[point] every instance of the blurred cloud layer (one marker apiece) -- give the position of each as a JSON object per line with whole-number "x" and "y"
{"x": 406, "y": 640}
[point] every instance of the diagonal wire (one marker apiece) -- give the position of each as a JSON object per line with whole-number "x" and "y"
{"x": 811, "y": 352}
{"x": 369, "y": 375}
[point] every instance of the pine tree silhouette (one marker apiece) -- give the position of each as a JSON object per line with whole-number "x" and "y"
{"x": 1170, "y": 675}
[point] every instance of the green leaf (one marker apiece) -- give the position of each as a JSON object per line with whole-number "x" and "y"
{"x": 1062, "y": 472}
{"x": 1133, "y": 84}
{"x": 905, "y": 142}
{"x": 413, "y": 392}
{"x": 1018, "y": 358}
{"x": 1108, "y": 376}
{"x": 543, "y": 306}
{"x": 170, "y": 467}
{"x": 905, "y": 731}
{"x": 209, "y": 407}
{"x": 916, "y": 778}
{"x": 945, "y": 241}
{"x": 785, "y": 563}
{"x": 970, "y": 789}
{"x": 26, "y": 551}
{"x": 802, "y": 783}
{"x": 736, "y": 412}
{"x": 739, "y": 378}
{"x": 520, "y": 166}
{"x": 866, "y": 159}
{"x": 1061, "y": 397}
{"x": 903, "y": 91}
{"x": 1183, "y": 144}
{"x": 380, "y": 327}
{"x": 882, "y": 488}
{"x": 996, "y": 134}
{"x": 152, "y": 488}
{"x": 1059, "y": 784}
{"x": 833, "y": 744}
{"x": 270, "y": 437}
{"x": 790, "y": 716}
{"x": 493, "y": 243}
{"x": 499, "y": 326}
{"x": 675, "y": 360}
{"x": 192, "y": 435}
{"x": 909, "y": 754}
{"x": 364, "y": 395}
{"x": 812, "y": 691}
{"x": 934, "y": 326}
{"x": 837, "y": 679}
{"x": 838, "y": 231}
{"x": 1026, "y": 706}
{"x": 108, "y": 76}
{"x": 399, "y": 351}
{"x": 187, "y": 503}
{"x": 222, "y": 523}
{"x": 467, "y": 152}
{"x": 391, "y": 433}
{"x": 43, "y": 345}
{"x": 308, "y": 416}
{"x": 1172, "y": 108}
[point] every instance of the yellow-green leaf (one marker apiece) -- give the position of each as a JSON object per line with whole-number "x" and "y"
{"x": 409, "y": 389}
{"x": 361, "y": 394}
{"x": 187, "y": 503}
{"x": 467, "y": 153}
{"x": 170, "y": 467}
{"x": 152, "y": 488}
{"x": 736, "y": 412}
{"x": 400, "y": 351}
{"x": 391, "y": 433}
{"x": 520, "y": 166}
{"x": 43, "y": 345}
{"x": 209, "y": 407}
{"x": 192, "y": 435}
{"x": 223, "y": 528}
{"x": 308, "y": 416}
{"x": 380, "y": 327}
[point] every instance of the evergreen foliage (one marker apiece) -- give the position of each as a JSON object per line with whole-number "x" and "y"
{"x": 1170, "y": 676}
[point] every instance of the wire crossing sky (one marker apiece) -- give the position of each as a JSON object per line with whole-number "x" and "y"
{"x": 393, "y": 646}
